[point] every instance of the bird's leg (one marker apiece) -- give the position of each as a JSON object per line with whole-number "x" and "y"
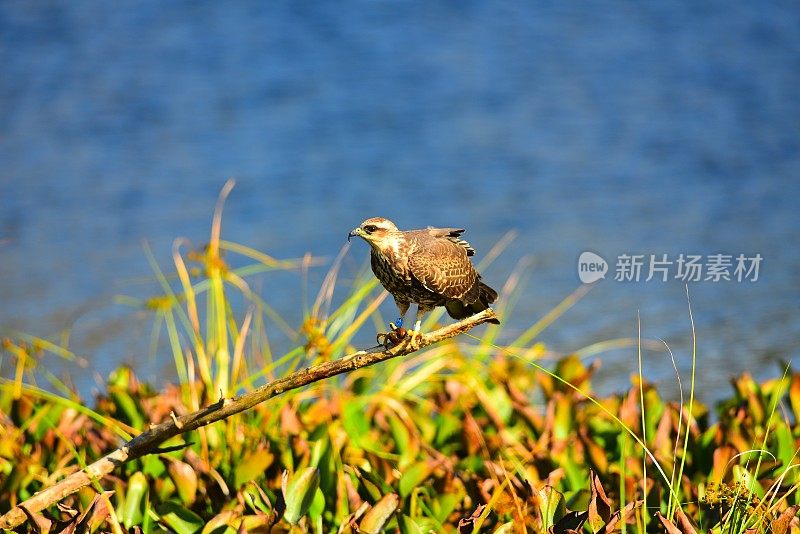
{"x": 415, "y": 336}
{"x": 402, "y": 307}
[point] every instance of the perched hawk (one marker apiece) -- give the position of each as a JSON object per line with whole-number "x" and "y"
{"x": 429, "y": 267}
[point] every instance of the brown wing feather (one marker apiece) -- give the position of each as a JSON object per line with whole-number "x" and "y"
{"x": 454, "y": 235}
{"x": 444, "y": 232}
{"x": 443, "y": 267}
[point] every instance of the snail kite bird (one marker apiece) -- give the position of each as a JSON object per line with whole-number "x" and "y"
{"x": 429, "y": 267}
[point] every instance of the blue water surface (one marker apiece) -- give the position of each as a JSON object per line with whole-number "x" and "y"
{"x": 616, "y": 127}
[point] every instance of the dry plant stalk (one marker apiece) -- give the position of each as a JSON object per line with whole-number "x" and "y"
{"x": 148, "y": 442}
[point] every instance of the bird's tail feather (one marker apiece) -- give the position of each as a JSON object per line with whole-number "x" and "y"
{"x": 488, "y": 295}
{"x": 461, "y": 310}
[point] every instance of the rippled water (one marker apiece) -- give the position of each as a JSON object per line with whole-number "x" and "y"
{"x": 661, "y": 128}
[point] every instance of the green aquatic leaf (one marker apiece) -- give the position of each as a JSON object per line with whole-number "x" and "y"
{"x": 552, "y": 506}
{"x": 179, "y": 519}
{"x": 413, "y": 477}
{"x": 355, "y": 421}
{"x": 376, "y": 517}
{"x": 252, "y": 466}
{"x": 407, "y": 525}
{"x": 134, "y": 496}
{"x": 299, "y": 491}
{"x": 185, "y": 479}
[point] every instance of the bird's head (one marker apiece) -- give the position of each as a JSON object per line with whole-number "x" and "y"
{"x": 376, "y": 231}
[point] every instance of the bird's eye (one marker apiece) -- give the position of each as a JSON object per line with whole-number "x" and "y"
{"x": 370, "y": 228}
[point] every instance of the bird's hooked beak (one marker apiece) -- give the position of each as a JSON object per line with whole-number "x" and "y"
{"x": 354, "y": 232}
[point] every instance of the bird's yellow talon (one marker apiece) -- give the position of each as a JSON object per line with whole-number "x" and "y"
{"x": 414, "y": 339}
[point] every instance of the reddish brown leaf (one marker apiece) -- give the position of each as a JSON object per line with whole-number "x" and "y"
{"x": 627, "y": 512}
{"x": 99, "y": 511}
{"x": 40, "y": 522}
{"x": 629, "y": 410}
{"x": 599, "y": 504}
{"x": 722, "y": 456}
{"x": 668, "y": 525}
{"x": 466, "y": 524}
{"x": 783, "y": 522}
{"x": 683, "y": 522}
{"x": 662, "y": 438}
{"x": 290, "y": 423}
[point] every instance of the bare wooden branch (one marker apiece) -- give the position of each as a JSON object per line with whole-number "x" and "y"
{"x": 148, "y": 442}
